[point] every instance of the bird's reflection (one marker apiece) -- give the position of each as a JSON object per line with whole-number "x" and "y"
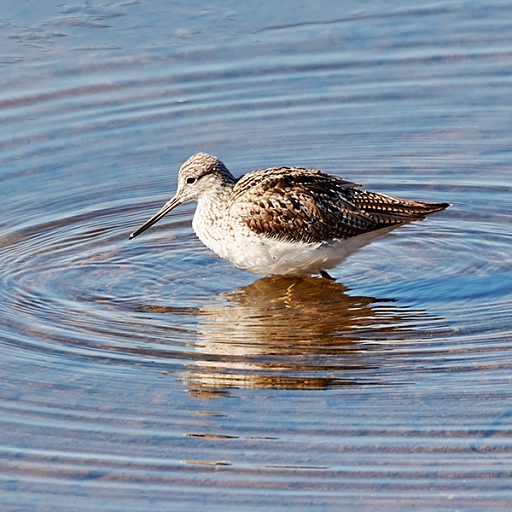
{"x": 293, "y": 333}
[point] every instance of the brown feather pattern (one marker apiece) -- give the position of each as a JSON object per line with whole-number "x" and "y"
{"x": 307, "y": 205}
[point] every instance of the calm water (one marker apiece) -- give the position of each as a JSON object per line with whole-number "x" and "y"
{"x": 151, "y": 375}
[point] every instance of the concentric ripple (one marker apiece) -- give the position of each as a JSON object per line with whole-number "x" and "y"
{"x": 77, "y": 288}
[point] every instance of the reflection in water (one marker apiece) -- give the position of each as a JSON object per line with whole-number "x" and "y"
{"x": 293, "y": 333}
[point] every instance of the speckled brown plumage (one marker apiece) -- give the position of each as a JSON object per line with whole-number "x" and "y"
{"x": 308, "y": 205}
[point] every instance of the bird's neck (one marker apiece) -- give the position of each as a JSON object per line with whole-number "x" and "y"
{"x": 212, "y": 203}
{"x": 208, "y": 221}
{"x": 217, "y": 194}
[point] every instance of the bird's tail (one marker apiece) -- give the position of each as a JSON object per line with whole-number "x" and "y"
{"x": 386, "y": 210}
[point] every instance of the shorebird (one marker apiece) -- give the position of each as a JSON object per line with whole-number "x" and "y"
{"x": 284, "y": 220}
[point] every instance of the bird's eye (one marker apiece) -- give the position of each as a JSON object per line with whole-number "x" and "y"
{"x": 190, "y": 181}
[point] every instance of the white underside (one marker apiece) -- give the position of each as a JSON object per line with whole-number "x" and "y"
{"x": 276, "y": 257}
{"x": 269, "y": 256}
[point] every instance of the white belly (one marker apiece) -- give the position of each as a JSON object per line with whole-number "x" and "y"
{"x": 268, "y": 256}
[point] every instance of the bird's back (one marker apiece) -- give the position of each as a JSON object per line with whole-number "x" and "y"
{"x": 307, "y": 205}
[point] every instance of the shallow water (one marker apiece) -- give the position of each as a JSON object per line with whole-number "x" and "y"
{"x": 149, "y": 374}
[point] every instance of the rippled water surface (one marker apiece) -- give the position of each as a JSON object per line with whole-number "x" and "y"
{"x": 151, "y": 375}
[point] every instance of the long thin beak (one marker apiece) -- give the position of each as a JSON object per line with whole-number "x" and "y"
{"x": 170, "y": 205}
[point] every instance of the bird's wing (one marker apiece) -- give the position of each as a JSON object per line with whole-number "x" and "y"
{"x": 310, "y": 206}
{"x": 386, "y": 210}
{"x": 300, "y": 205}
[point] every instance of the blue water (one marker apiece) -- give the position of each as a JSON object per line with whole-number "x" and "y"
{"x": 151, "y": 375}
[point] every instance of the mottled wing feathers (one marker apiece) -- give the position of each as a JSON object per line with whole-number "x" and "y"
{"x": 309, "y": 206}
{"x": 386, "y": 210}
{"x": 299, "y": 204}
